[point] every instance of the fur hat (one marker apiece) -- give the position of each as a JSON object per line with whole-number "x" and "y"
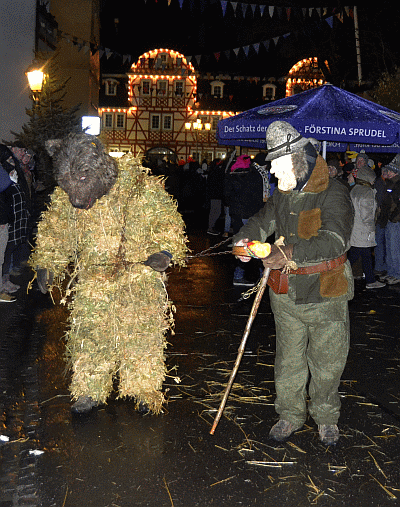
{"x": 394, "y": 165}
{"x": 283, "y": 139}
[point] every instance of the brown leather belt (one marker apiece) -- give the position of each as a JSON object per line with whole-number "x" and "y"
{"x": 319, "y": 268}
{"x": 308, "y": 270}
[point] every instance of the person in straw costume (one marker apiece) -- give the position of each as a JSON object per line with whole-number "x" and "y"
{"x": 311, "y": 281}
{"x": 116, "y": 229}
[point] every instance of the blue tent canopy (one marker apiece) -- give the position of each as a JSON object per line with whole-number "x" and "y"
{"x": 327, "y": 113}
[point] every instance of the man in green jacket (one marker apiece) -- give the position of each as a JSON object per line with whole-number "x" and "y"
{"x": 312, "y": 280}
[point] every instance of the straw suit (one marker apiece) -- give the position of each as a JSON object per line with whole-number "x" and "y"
{"x": 114, "y": 286}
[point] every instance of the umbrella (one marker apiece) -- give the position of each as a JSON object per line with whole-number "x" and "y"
{"x": 329, "y": 114}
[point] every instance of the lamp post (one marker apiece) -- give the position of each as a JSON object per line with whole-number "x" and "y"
{"x": 196, "y": 127}
{"x": 36, "y": 78}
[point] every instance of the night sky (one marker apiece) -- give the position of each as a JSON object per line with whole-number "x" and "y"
{"x": 218, "y": 43}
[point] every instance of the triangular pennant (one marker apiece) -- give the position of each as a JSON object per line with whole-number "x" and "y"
{"x": 244, "y": 9}
{"x": 288, "y": 12}
{"x": 223, "y": 5}
{"x": 234, "y": 5}
{"x": 262, "y": 9}
{"x": 246, "y": 50}
{"x": 329, "y": 21}
{"x": 256, "y": 47}
{"x": 266, "y": 44}
{"x": 271, "y": 10}
{"x": 276, "y": 39}
{"x": 217, "y": 56}
{"x": 236, "y": 51}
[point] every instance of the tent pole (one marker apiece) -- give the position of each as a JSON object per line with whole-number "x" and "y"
{"x": 324, "y": 149}
{"x": 357, "y": 37}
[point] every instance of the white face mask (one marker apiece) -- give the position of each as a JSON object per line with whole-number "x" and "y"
{"x": 282, "y": 167}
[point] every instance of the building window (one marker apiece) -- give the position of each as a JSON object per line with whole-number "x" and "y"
{"x": 203, "y": 119}
{"x": 214, "y": 122}
{"x": 146, "y": 86}
{"x": 162, "y": 86}
{"x": 167, "y": 122}
{"x": 179, "y": 88}
{"x": 162, "y": 61}
{"x": 120, "y": 121}
{"x": 269, "y": 91}
{"x": 217, "y": 89}
{"x": 108, "y": 120}
{"x": 155, "y": 122}
{"x": 111, "y": 87}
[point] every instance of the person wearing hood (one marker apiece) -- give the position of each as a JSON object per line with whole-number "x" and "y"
{"x": 310, "y": 281}
{"x": 362, "y": 240}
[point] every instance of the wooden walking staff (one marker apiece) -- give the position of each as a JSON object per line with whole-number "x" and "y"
{"x": 246, "y": 333}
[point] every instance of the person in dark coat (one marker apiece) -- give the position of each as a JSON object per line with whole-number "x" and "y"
{"x": 5, "y": 219}
{"x": 245, "y": 192}
{"x": 214, "y": 193}
{"x": 17, "y": 251}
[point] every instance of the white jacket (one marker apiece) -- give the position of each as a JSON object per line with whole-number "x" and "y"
{"x": 364, "y": 202}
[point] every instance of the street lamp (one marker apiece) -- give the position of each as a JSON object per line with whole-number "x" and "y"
{"x": 36, "y": 78}
{"x": 197, "y": 126}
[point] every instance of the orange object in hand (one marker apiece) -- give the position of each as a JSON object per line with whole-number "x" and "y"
{"x": 258, "y": 249}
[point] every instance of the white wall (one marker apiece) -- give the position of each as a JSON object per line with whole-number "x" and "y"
{"x": 17, "y": 35}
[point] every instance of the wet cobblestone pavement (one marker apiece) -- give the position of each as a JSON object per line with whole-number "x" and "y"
{"x": 116, "y": 457}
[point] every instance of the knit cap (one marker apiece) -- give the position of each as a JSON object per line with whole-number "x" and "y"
{"x": 366, "y": 174}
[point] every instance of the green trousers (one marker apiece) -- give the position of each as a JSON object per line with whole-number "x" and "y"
{"x": 312, "y": 343}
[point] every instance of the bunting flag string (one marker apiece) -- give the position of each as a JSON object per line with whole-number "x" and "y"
{"x": 86, "y": 46}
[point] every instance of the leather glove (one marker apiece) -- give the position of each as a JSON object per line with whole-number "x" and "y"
{"x": 276, "y": 259}
{"x": 44, "y": 279}
{"x": 242, "y": 242}
{"x": 158, "y": 261}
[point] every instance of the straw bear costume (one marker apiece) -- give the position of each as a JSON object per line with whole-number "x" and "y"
{"x": 119, "y": 307}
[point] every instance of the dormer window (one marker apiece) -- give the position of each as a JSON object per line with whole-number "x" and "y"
{"x": 111, "y": 87}
{"x": 161, "y": 61}
{"x": 269, "y": 90}
{"x": 217, "y": 89}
